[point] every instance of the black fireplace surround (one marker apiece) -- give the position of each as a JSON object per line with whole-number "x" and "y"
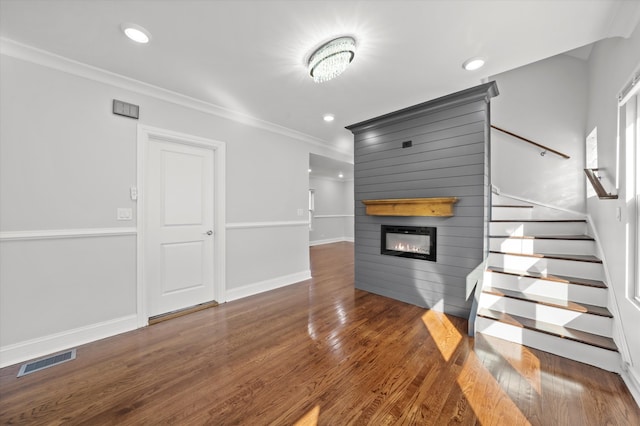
{"x": 416, "y": 242}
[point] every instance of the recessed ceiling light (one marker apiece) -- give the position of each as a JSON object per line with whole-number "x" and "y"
{"x": 340, "y": 175}
{"x": 309, "y": 170}
{"x": 328, "y": 117}
{"x": 136, "y": 33}
{"x": 473, "y": 64}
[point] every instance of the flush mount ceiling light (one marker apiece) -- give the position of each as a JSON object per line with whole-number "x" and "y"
{"x": 136, "y": 33}
{"x": 331, "y": 59}
{"x": 328, "y": 117}
{"x": 473, "y": 64}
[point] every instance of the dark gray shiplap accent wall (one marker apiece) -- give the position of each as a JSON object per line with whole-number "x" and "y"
{"x": 449, "y": 158}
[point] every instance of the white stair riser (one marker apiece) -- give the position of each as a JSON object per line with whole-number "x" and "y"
{"x": 537, "y": 228}
{"x": 580, "y": 321}
{"x": 530, "y": 246}
{"x": 510, "y": 213}
{"x": 598, "y": 357}
{"x": 505, "y": 213}
{"x": 570, "y": 268}
{"x": 538, "y": 287}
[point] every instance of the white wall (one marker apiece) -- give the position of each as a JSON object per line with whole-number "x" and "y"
{"x": 333, "y": 215}
{"x": 545, "y": 102}
{"x": 611, "y": 65}
{"x": 66, "y": 165}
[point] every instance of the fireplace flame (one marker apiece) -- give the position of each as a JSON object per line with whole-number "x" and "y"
{"x": 409, "y": 248}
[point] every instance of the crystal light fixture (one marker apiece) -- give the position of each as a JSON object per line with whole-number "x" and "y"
{"x": 331, "y": 59}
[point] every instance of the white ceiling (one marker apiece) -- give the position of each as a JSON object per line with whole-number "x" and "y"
{"x": 249, "y": 56}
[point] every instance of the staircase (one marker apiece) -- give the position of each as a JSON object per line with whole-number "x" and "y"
{"x": 544, "y": 286}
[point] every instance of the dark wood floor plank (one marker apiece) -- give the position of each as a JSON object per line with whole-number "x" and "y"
{"x": 317, "y": 348}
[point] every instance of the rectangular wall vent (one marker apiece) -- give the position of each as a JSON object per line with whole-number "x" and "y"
{"x": 126, "y": 109}
{"x": 47, "y": 362}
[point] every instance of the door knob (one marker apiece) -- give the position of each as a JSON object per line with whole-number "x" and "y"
{"x": 209, "y": 232}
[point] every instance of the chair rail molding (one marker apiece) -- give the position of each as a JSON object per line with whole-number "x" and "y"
{"x": 272, "y": 224}
{"x": 48, "y": 234}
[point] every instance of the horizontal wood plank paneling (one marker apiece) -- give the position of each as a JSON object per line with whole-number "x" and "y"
{"x": 418, "y": 127}
{"x": 448, "y": 158}
{"x": 445, "y": 182}
{"x": 417, "y": 151}
{"x": 460, "y": 136}
{"x": 442, "y": 159}
{"x": 417, "y": 297}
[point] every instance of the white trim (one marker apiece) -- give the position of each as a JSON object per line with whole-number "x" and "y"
{"x": 618, "y": 328}
{"x": 326, "y": 216}
{"x": 28, "y": 53}
{"x": 35, "y": 348}
{"x": 267, "y": 285}
{"x": 278, "y": 224}
{"x": 145, "y": 133}
{"x": 47, "y": 234}
{"x": 538, "y": 203}
{"x": 630, "y": 378}
{"x": 331, "y": 241}
{"x": 632, "y": 81}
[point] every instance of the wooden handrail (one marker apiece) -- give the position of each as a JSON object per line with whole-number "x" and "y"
{"x": 597, "y": 185}
{"x": 544, "y": 148}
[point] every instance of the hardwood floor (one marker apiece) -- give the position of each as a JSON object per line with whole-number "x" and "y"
{"x": 315, "y": 351}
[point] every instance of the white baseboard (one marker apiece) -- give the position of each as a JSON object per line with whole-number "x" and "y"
{"x": 42, "y": 346}
{"x": 262, "y": 286}
{"x": 331, "y": 241}
{"x": 631, "y": 379}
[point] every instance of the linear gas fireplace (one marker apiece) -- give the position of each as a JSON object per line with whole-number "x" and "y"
{"x": 417, "y": 242}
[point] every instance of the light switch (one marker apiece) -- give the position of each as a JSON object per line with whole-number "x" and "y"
{"x": 125, "y": 214}
{"x": 133, "y": 191}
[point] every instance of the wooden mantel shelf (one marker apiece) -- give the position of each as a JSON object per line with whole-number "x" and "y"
{"x": 442, "y": 206}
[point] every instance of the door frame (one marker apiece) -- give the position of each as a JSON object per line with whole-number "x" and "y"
{"x": 145, "y": 134}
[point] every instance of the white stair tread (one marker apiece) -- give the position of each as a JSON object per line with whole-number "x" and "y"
{"x": 575, "y": 257}
{"x": 548, "y": 301}
{"x": 546, "y": 237}
{"x": 557, "y": 278}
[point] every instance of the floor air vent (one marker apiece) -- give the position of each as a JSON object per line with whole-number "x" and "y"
{"x": 47, "y": 362}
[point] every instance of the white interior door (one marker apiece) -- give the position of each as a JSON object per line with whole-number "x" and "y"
{"x": 179, "y": 219}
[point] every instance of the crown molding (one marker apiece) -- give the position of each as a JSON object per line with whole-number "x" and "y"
{"x": 47, "y": 59}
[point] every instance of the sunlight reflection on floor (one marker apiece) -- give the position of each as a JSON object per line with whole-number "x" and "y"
{"x": 310, "y": 418}
{"x": 525, "y": 362}
{"x": 490, "y": 402}
{"x": 444, "y": 333}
